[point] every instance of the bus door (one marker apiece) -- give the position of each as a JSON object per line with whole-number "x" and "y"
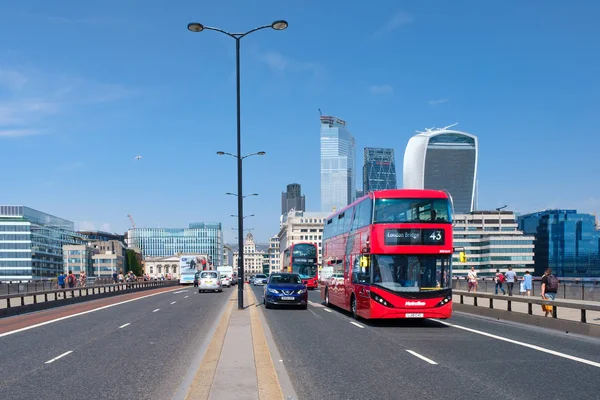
{"x": 359, "y": 274}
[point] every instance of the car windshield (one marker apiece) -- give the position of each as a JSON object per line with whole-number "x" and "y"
{"x": 260, "y": 276}
{"x": 406, "y": 273}
{"x": 305, "y": 270}
{"x": 208, "y": 275}
{"x": 412, "y": 210}
{"x": 285, "y": 279}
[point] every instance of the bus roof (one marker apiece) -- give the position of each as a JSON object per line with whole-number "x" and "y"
{"x": 397, "y": 194}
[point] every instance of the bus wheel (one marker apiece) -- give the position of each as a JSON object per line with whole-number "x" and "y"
{"x": 327, "y": 297}
{"x": 353, "y": 307}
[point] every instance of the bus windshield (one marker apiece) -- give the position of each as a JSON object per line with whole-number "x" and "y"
{"x": 304, "y": 250}
{"x": 305, "y": 270}
{"x": 412, "y": 210}
{"x": 411, "y": 273}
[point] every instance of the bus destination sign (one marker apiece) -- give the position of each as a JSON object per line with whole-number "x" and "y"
{"x": 406, "y": 237}
{"x": 304, "y": 260}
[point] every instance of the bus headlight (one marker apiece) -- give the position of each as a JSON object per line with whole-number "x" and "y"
{"x": 444, "y": 301}
{"x": 381, "y": 300}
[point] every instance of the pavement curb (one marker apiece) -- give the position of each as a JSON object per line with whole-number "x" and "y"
{"x": 269, "y": 387}
{"x": 203, "y": 380}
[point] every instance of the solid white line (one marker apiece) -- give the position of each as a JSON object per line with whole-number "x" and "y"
{"x": 78, "y": 314}
{"x": 310, "y": 302}
{"x": 123, "y": 326}
{"x": 186, "y": 297}
{"x": 61, "y": 356}
{"x": 356, "y": 324}
{"x": 327, "y": 309}
{"x": 174, "y": 302}
{"x": 531, "y": 346}
{"x": 421, "y": 357}
{"x": 156, "y": 310}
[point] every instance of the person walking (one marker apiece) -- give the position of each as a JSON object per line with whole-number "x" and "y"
{"x": 499, "y": 280}
{"x": 511, "y": 277}
{"x": 527, "y": 283}
{"x": 549, "y": 289}
{"x": 472, "y": 279}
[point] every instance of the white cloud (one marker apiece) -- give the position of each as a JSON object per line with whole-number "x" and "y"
{"x": 105, "y": 227}
{"x": 381, "y": 89}
{"x": 437, "y": 102}
{"x": 280, "y": 63}
{"x": 87, "y": 226}
{"x": 17, "y": 133}
{"x": 399, "y": 19}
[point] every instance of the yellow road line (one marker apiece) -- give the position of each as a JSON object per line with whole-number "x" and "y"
{"x": 200, "y": 387}
{"x": 268, "y": 383}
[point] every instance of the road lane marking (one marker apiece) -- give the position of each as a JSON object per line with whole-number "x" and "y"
{"x": 356, "y": 324}
{"x": 186, "y": 297}
{"x": 80, "y": 313}
{"x": 58, "y": 357}
{"x": 180, "y": 291}
{"x": 310, "y": 302}
{"x": 156, "y": 310}
{"x": 327, "y": 309}
{"x": 414, "y": 353}
{"x": 531, "y": 346}
{"x": 123, "y": 326}
{"x": 174, "y": 302}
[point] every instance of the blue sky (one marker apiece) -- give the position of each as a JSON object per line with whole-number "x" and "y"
{"x": 87, "y": 86}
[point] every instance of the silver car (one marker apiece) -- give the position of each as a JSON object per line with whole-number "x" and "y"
{"x": 210, "y": 280}
{"x": 259, "y": 280}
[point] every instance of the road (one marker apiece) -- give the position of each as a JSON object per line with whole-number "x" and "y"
{"x": 138, "y": 350}
{"x": 328, "y": 355}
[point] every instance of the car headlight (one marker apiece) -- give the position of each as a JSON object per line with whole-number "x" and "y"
{"x": 301, "y": 291}
{"x": 273, "y": 290}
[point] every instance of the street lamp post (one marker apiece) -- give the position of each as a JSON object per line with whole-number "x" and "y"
{"x": 198, "y": 27}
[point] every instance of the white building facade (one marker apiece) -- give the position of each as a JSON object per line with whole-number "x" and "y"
{"x": 274, "y": 255}
{"x": 162, "y": 267}
{"x": 491, "y": 240}
{"x": 253, "y": 258}
{"x": 301, "y": 227}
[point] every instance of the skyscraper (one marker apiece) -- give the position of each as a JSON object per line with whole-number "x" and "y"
{"x": 292, "y": 198}
{"x": 379, "y": 169}
{"x": 338, "y": 164}
{"x": 443, "y": 159}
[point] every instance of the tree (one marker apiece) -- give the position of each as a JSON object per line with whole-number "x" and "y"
{"x": 132, "y": 263}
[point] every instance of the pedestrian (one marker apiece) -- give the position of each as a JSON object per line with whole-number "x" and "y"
{"x": 115, "y": 277}
{"x": 499, "y": 280}
{"x": 82, "y": 279}
{"x": 71, "y": 280}
{"x": 527, "y": 283}
{"x": 472, "y": 279}
{"x": 511, "y": 277}
{"x": 549, "y": 289}
{"x": 61, "y": 280}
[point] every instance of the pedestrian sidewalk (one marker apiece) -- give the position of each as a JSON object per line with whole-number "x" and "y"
{"x": 237, "y": 363}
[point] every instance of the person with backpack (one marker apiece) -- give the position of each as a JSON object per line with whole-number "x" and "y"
{"x": 71, "y": 280}
{"x": 549, "y": 289}
{"x": 499, "y": 280}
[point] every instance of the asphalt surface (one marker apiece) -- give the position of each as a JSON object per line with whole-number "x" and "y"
{"x": 146, "y": 359}
{"x": 328, "y": 357}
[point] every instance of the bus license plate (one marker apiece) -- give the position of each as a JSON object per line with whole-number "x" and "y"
{"x": 418, "y": 315}
{"x": 287, "y": 298}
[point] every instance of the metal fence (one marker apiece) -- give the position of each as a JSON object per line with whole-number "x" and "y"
{"x": 40, "y": 286}
{"x": 570, "y": 288}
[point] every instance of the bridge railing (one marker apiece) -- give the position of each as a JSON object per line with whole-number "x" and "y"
{"x": 11, "y": 303}
{"x": 570, "y": 288}
{"x": 581, "y": 305}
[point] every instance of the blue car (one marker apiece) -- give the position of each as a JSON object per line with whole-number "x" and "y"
{"x": 285, "y": 290}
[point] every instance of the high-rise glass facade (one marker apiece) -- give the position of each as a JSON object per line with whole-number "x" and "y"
{"x": 338, "y": 164}
{"x": 31, "y": 243}
{"x": 379, "y": 169}
{"x": 444, "y": 160}
{"x": 292, "y": 198}
{"x": 199, "y": 238}
{"x": 565, "y": 240}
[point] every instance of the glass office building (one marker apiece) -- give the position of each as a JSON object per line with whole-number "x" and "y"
{"x": 443, "y": 159}
{"x": 199, "y": 238}
{"x": 565, "y": 240}
{"x": 379, "y": 169}
{"x": 338, "y": 164}
{"x": 31, "y": 243}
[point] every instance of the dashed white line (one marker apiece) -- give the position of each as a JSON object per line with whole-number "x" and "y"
{"x": 180, "y": 291}
{"x": 156, "y": 310}
{"x": 356, "y": 324}
{"x": 327, "y": 309}
{"x": 61, "y": 356}
{"x": 310, "y": 302}
{"x": 186, "y": 297}
{"x": 531, "y": 346}
{"x": 124, "y": 325}
{"x": 414, "y": 353}
{"x": 174, "y": 302}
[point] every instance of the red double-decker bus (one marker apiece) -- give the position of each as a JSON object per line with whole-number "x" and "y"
{"x": 391, "y": 253}
{"x": 301, "y": 259}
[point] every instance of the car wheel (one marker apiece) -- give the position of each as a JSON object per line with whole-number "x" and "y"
{"x": 268, "y": 305}
{"x": 353, "y": 307}
{"x": 199, "y": 290}
{"x": 305, "y": 306}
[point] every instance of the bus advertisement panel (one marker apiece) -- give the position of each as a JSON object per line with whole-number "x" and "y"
{"x": 301, "y": 259}
{"x": 391, "y": 254}
{"x": 188, "y": 266}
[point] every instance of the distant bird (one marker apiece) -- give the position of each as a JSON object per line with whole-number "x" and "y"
{"x": 138, "y": 157}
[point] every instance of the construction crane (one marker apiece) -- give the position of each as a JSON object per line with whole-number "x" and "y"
{"x": 132, "y": 221}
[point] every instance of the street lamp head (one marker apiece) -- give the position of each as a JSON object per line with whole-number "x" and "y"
{"x": 261, "y": 153}
{"x": 278, "y": 25}
{"x": 232, "y": 215}
{"x": 196, "y": 27}
{"x": 253, "y": 194}
{"x": 220, "y": 153}
{"x": 230, "y": 194}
